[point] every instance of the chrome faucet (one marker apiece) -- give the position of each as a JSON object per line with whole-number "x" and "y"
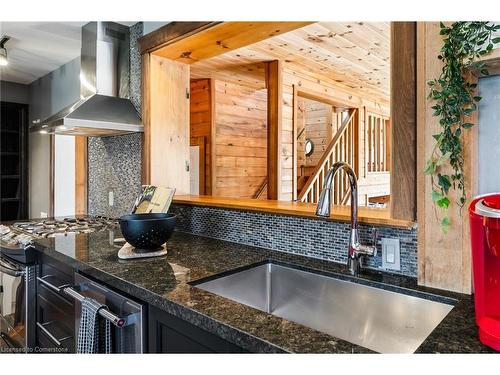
{"x": 355, "y": 249}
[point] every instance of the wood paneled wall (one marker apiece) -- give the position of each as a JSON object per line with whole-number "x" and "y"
{"x": 200, "y": 119}
{"x": 311, "y": 87}
{"x": 240, "y": 140}
{"x": 317, "y": 119}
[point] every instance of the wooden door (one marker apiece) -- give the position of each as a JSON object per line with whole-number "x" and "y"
{"x": 169, "y": 124}
{"x": 198, "y": 165}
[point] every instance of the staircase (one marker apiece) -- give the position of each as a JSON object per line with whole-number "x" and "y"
{"x": 342, "y": 147}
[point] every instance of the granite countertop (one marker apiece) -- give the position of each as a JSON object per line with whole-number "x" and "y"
{"x": 164, "y": 283}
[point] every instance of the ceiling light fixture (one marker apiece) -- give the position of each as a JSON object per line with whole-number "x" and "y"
{"x": 3, "y": 51}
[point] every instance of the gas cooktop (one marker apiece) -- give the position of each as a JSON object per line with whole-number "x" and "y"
{"x": 16, "y": 239}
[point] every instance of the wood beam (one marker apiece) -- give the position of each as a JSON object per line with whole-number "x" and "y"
{"x": 219, "y": 38}
{"x": 170, "y": 33}
{"x": 403, "y": 120}
{"x": 81, "y": 175}
{"x": 274, "y": 109}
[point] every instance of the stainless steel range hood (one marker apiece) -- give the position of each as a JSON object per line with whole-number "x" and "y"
{"x": 104, "y": 108}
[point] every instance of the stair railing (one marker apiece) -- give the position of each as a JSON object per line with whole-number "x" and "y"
{"x": 342, "y": 147}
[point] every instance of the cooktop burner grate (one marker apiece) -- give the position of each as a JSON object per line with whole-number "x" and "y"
{"x": 57, "y": 227}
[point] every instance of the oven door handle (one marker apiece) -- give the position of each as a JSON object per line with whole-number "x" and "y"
{"x": 10, "y": 271}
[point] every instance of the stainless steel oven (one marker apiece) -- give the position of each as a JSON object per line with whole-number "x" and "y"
{"x": 17, "y": 308}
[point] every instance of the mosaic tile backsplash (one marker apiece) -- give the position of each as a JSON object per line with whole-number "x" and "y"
{"x": 304, "y": 236}
{"x": 114, "y": 165}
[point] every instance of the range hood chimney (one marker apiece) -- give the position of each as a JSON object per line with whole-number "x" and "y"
{"x": 104, "y": 108}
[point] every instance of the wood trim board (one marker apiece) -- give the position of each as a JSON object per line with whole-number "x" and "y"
{"x": 146, "y": 118}
{"x": 444, "y": 259}
{"x": 170, "y": 33}
{"x": 274, "y": 110}
{"x": 81, "y": 175}
{"x": 403, "y": 118}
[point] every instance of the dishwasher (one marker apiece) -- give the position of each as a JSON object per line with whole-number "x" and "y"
{"x": 127, "y": 317}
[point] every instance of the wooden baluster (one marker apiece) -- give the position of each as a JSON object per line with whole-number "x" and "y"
{"x": 374, "y": 151}
{"x": 321, "y": 180}
{"x": 342, "y": 180}
{"x": 382, "y": 144}
{"x": 349, "y": 144}
{"x": 335, "y": 178}
{"x": 368, "y": 134}
{"x": 377, "y": 144}
{"x": 316, "y": 190}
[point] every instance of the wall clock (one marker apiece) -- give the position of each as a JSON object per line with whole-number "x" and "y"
{"x": 309, "y": 147}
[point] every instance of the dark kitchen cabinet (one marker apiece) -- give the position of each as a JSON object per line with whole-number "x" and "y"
{"x": 169, "y": 334}
{"x": 14, "y": 161}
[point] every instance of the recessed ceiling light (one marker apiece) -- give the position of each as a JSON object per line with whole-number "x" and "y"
{"x": 3, "y": 51}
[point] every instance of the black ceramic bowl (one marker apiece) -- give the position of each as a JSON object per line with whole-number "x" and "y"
{"x": 147, "y": 231}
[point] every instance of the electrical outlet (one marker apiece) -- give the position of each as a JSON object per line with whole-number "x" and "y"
{"x": 391, "y": 254}
{"x": 111, "y": 198}
{"x": 44, "y": 214}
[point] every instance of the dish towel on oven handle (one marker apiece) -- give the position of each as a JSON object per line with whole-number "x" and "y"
{"x": 94, "y": 334}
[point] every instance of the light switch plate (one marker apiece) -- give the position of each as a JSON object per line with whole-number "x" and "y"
{"x": 391, "y": 254}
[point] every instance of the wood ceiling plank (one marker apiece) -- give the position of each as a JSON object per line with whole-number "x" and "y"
{"x": 358, "y": 60}
{"x": 324, "y": 70}
{"x": 337, "y": 47}
{"x": 350, "y": 67}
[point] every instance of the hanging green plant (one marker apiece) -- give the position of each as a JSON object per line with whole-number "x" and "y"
{"x": 455, "y": 102}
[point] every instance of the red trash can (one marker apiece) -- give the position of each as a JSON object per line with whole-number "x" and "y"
{"x": 484, "y": 217}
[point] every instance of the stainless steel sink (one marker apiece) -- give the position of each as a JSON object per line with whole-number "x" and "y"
{"x": 377, "y": 319}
